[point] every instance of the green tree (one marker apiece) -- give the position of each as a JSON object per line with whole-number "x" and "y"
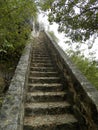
{"x": 53, "y": 36}
{"x": 77, "y": 18}
{"x": 87, "y": 67}
{"x": 14, "y": 25}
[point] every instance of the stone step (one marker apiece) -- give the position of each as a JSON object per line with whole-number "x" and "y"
{"x": 42, "y": 64}
{"x": 49, "y": 108}
{"x": 43, "y": 74}
{"x": 41, "y": 61}
{"x": 40, "y": 55}
{"x": 44, "y": 80}
{"x": 45, "y": 96}
{"x": 46, "y": 103}
{"x": 46, "y": 69}
{"x": 39, "y": 48}
{"x": 41, "y": 58}
{"x": 51, "y": 122}
{"x": 45, "y": 87}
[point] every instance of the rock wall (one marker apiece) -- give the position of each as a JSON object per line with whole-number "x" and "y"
{"x": 12, "y": 111}
{"x": 84, "y": 95}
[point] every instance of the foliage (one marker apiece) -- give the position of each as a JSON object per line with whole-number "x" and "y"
{"x": 88, "y": 68}
{"x": 77, "y": 18}
{"x": 14, "y": 26}
{"x": 53, "y": 36}
{"x": 46, "y": 4}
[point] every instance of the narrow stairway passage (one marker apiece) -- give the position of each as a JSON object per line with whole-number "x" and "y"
{"x": 46, "y": 103}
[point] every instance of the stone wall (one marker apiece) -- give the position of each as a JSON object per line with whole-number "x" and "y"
{"x": 12, "y": 111}
{"x": 84, "y": 95}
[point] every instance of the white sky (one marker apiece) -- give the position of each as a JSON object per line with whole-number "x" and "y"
{"x": 43, "y": 19}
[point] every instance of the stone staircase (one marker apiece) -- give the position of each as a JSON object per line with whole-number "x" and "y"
{"x": 47, "y": 106}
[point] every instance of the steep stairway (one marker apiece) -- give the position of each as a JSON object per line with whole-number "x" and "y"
{"x": 46, "y": 103}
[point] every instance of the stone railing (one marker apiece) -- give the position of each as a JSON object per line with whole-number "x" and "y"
{"x": 84, "y": 95}
{"x": 12, "y": 111}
